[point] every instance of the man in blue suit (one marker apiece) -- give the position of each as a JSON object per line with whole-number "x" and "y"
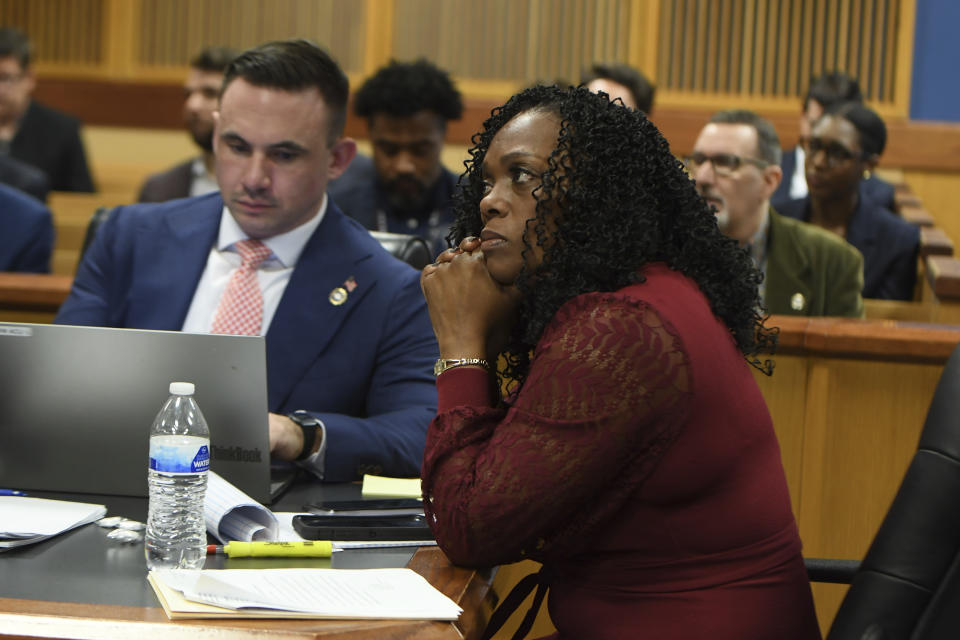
{"x": 349, "y": 343}
{"x": 26, "y": 240}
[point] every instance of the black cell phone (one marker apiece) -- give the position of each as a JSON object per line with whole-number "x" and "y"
{"x": 372, "y": 508}
{"x": 404, "y": 527}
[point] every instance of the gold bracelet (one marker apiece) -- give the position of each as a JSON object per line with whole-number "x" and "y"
{"x": 442, "y": 364}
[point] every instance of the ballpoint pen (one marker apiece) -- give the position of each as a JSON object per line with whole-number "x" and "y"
{"x": 11, "y": 492}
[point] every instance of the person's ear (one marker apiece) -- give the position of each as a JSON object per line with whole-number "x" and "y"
{"x": 772, "y": 175}
{"x": 870, "y": 162}
{"x": 341, "y": 155}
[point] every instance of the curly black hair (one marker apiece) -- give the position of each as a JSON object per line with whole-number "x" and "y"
{"x": 401, "y": 89}
{"x": 624, "y": 201}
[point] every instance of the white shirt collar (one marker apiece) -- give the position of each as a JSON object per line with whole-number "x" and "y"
{"x": 286, "y": 247}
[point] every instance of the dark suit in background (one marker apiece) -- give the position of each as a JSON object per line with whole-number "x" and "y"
{"x": 359, "y": 194}
{"x": 362, "y": 366}
{"x": 50, "y": 141}
{"x": 168, "y": 185}
{"x": 24, "y": 177}
{"x": 26, "y": 232}
{"x": 888, "y": 243}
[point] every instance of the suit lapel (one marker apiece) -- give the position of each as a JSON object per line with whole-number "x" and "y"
{"x": 788, "y": 270}
{"x": 171, "y": 259}
{"x": 330, "y": 279}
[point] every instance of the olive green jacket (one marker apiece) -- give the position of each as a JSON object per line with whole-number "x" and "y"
{"x": 811, "y": 271}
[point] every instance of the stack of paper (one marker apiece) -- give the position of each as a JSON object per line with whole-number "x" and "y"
{"x": 28, "y": 520}
{"x": 300, "y": 593}
{"x": 231, "y": 514}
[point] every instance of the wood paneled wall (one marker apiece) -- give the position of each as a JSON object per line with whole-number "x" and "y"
{"x": 759, "y": 53}
{"x": 768, "y": 50}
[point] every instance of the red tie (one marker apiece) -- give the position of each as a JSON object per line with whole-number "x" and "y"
{"x": 240, "y": 311}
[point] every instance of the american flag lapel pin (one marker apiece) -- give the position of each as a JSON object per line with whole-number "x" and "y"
{"x": 339, "y": 295}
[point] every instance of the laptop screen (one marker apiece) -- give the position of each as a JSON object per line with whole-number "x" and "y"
{"x": 76, "y": 405}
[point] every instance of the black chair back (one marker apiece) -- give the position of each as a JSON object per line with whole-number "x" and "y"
{"x": 411, "y": 249}
{"x": 908, "y": 584}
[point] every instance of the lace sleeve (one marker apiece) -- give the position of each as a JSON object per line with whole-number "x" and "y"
{"x": 604, "y": 397}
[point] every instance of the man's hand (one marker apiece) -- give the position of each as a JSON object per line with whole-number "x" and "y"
{"x": 286, "y": 438}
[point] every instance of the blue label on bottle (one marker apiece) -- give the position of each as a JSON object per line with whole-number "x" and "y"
{"x": 179, "y": 454}
{"x": 201, "y": 462}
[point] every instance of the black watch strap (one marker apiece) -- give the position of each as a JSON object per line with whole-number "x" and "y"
{"x": 310, "y": 425}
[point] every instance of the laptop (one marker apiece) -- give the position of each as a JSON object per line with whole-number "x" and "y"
{"x": 77, "y": 403}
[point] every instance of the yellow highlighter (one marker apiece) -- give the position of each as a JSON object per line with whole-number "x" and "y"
{"x": 306, "y": 549}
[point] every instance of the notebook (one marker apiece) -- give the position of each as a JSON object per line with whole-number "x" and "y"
{"x": 76, "y": 405}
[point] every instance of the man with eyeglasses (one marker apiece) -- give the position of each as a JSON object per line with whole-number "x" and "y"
{"x": 32, "y": 133}
{"x": 807, "y": 271}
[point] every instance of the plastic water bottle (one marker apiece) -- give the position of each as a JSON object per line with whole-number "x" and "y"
{"x": 176, "y": 535}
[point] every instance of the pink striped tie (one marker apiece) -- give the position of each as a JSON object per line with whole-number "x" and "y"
{"x": 240, "y": 311}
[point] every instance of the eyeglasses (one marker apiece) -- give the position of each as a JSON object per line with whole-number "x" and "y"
{"x": 724, "y": 164}
{"x": 834, "y": 152}
{"x": 10, "y": 78}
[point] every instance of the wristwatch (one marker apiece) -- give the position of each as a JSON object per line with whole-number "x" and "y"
{"x": 310, "y": 424}
{"x": 444, "y": 364}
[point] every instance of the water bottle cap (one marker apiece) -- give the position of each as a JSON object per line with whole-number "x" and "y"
{"x": 181, "y": 388}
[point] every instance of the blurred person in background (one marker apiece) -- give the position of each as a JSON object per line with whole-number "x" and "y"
{"x": 31, "y": 132}
{"x": 201, "y": 91}
{"x": 404, "y": 188}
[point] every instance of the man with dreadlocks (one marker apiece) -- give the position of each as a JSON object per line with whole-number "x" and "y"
{"x": 634, "y": 456}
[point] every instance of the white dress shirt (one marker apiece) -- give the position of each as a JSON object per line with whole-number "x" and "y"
{"x": 202, "y": 182}
{"x": 798, "y": 181}
{"x": 273, "y": 276}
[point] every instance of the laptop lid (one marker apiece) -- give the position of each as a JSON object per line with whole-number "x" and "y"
{"x": 76, "y": 405}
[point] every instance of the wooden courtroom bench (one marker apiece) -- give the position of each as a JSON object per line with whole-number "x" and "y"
{"x": 32, "y": 297}
{"x": 848, "y": 400}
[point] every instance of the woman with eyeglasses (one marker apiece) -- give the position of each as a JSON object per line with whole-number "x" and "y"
{"x": 843, "y": 144}
{"x": 634, "y": 455}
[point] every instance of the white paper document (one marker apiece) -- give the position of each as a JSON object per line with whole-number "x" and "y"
{"x": 313, "y": 593}
{"x": 27, "y": 520}
{"x": 231, "y": 514}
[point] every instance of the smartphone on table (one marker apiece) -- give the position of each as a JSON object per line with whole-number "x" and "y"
{"x": 401, "y": 527}
{"x": 373, "y": 508}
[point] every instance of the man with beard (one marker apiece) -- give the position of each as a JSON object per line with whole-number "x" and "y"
{"x": 35, "y": 134}
{"x": 201, "y": 90}
{"x": 404, "y": 188}
{"x": 807, "y": 271}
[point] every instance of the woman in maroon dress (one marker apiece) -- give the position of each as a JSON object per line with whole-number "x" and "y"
{"x": 634, "y": 455}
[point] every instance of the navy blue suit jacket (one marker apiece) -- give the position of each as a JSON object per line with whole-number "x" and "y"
{"x": 363, "y": 367}
{"x": 888, "y": 243}
{"x": 879, "y": 190}
{"x": 26, "y": 242}
{"x": 359, "y": 194}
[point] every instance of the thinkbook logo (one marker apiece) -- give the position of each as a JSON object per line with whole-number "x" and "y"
{"x": 23, "y": 332}
{"x": 236, "y": 454}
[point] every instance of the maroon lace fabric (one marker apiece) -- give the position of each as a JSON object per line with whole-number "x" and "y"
{"x": 604, "y": 397}
{"x": 638, "y": 463}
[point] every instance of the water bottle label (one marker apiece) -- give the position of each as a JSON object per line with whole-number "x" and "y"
{"x": 179, "y": 454}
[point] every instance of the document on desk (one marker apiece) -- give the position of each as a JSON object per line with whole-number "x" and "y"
{"x": 27, "y": 520}
{"x": 230, "y": 514}
{"x": 300, "y": 593}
